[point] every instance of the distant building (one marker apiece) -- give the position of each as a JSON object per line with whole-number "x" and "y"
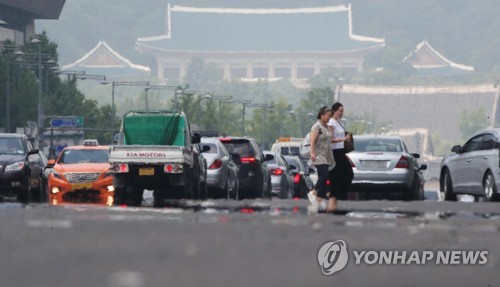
{"x": 18, "y": 17}
{"x": 104, "y": 60}
{"x": 428, "y": 62}
{"x": 259, "y": 43}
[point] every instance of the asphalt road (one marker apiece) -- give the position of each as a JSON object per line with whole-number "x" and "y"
{"x": 241, "y": 243}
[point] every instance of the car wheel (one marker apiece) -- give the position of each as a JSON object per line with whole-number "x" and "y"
{"x": 204, "y": 191}
{"x": 197, "y": 187}
{"x": 129, "y": 196}
{"x": 447, "y": 186}
{"x": 413, "y": 193}
{"x": 235, "y": 191}
{"x": 36, "y": 192}
{"x": 188, "y": 187}
{"x": 136, "y": 197}
{"x": 119, "y": 196}
{"x": 489, "y": 187}
{"x": 24, "y": 195}
{"x": 159, "y": 197}
{"x": 267, "y": 191}
{"x": 227, "y": 190}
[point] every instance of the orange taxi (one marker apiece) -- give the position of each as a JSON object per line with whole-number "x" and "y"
{"x": 81, "y": 174}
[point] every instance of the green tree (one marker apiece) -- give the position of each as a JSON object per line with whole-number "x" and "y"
{"x": 309, "y": 106}
{"x": 470, "y": 122}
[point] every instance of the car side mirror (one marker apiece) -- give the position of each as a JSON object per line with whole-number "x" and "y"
{"x": 116, "y": 138}
{"x": 205, "y": 148}
{"x": 269, "y": 157}
{"x": 51, "y": 163}
{"x": 33, "y": 151}
{"x": 456, "y": 149}
{"x": 292, "y": 167}
{"x": 196, "y": 138}
{"x": 416, "y": 155}
{"x": 423, "y": 167}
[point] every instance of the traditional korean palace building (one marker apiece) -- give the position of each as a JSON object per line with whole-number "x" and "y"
{"x": 428, "y": 62}
{"x": 104, "y": 60}
{"x": 259, "y": 43}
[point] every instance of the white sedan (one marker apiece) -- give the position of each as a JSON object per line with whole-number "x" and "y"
{"x": 383, "y": 163}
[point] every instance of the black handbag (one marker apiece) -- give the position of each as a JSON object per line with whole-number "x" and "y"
{"x": 348, "y": 144}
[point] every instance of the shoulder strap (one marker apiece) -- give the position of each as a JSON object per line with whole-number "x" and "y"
{"x": 340, "y": 124}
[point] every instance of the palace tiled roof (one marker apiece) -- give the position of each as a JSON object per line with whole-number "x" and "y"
{"x": 102, "y": 56}
{"x": 322, "y": 29}
{"x": 427, "y": 61}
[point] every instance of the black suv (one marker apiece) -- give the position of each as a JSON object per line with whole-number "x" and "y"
{"x": 20, "y": 168}
{"x": 254, "y": 178}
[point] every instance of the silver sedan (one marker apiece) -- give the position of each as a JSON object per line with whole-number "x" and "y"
{"x": 473, "y": 168}
{"x": 222, "y": 171}
{"x": 281, "y": 175}
{"x": 384, "y": 163}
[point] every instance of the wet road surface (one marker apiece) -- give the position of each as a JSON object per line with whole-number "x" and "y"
{"x": 241, "y": 243}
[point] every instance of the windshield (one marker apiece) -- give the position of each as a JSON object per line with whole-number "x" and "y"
{"x": 292, "y": 150}
{"x": 11, "y": 146}
{"x": 378, "y": 145}
{"x": 240, "y": 147}
{"x": 84, "y": 156}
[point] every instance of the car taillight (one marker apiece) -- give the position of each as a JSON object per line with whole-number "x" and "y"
{"x": 403, "y": 162}
{"x": 225, "y": 139}
{"x": 216, "y": 164}
{"x": 296, "y": 178}
{"x": 120, "y": 167}
{"x": 173, "y": 168}
{"x": 328, "y": 182}
{"x": 247, "y": 160}
{"x": 350, "y": 161}
{"x": 277, "y": 171}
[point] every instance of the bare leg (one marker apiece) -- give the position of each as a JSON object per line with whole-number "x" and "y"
{"x": 332, "y": 205}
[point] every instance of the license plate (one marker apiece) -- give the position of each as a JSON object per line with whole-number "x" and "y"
{"x": 86, "y": 185}
{"x": 146, "y": 171}
{"x": 375, "y": 163}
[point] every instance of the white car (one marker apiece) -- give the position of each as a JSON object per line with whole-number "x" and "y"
{"x": 383, "y": 163}
{"x": 473, "y": 168}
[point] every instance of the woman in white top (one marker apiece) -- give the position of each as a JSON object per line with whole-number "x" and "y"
{"x": 341, "y": 176}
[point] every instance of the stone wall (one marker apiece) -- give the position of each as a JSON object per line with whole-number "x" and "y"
{"x": 434, "y": 108}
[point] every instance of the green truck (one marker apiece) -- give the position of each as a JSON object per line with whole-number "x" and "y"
{"x": 157, "y": 151}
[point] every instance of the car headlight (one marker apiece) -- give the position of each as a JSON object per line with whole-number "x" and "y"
{"x": 14, "y": 166}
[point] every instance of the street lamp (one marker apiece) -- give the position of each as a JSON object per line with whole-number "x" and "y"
{"x": 121, "y": 83}
{"x": 40, "y": 117}
{"x": 221, "y": 99}
{"x": 245, "y": 104}
{"x": 8, "y": 49}
{"x": 159, "y": 87}
{"x": 266, "y": 107}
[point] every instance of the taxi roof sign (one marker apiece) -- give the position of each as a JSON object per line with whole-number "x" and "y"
{"x": 91, "y": 142}
{"x": 289, "y": 139}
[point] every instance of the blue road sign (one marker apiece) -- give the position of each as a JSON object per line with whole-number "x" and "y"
{"x": 66, "y": 122}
